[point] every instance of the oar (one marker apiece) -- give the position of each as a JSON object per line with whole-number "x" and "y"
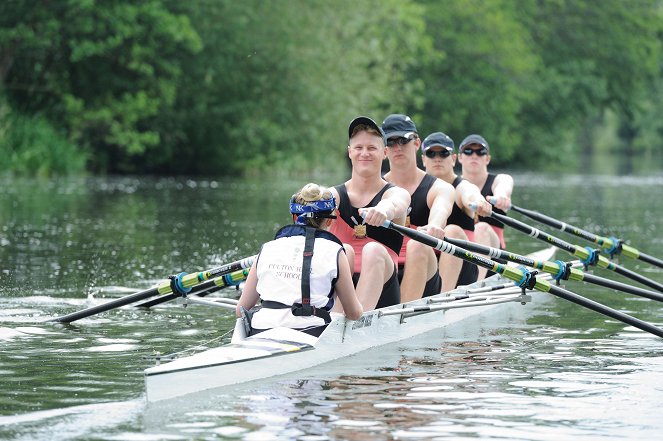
{"x": 558, "y": 269}
{"x": 612, "y": 244}
{"x": 204, "y": 288}
{"x": 524, "y": 279}
{"x": 182, "y": 282}
{"x": 587, "y": 255}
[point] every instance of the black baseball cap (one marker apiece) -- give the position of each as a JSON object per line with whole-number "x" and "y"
{"x": 474, "y": 139}
{"x": 438, "y": 139}
{"x": 399, "y": 126}
{"x": 366, "y": 121}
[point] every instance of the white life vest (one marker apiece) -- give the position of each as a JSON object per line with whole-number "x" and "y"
{"x": 279, "y": 271}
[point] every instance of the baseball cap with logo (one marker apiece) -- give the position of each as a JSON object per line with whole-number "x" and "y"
{"x": 438, "y": 139}
{"x": 399, "y": 126}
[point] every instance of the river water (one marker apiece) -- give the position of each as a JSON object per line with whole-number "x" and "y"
{"x": 550, "y": 370}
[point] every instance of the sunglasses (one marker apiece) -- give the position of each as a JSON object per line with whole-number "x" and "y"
{"x": 444, "y": 153}
{"x": 479, "y": 152}
{"x": 400, "y": 141}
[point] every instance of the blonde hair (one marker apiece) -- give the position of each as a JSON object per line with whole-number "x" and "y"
{"x": 310, "y": 193}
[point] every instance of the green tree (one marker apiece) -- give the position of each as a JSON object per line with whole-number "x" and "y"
{"x": 278, "y": 82}
{"x": 596, "y": 57}
{"x": 477, "y": 77}
{"x": 101, "y": 70}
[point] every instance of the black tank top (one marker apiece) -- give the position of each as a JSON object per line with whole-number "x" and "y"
{"x": 419, "y": 210}
{"x": 387, "y": 237}
{"x": 488, "y": 191}
{"x": 458, "y": 216}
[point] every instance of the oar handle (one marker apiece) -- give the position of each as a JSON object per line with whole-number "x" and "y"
{"x": 493, "y": 201}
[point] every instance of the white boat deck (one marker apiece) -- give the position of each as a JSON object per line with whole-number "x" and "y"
{"x": 282, "y": 350}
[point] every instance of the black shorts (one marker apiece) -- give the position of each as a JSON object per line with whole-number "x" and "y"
{"x": 433, "y": 286}
{"x": 469, "y": 273}
{"x": 391, "y": 292}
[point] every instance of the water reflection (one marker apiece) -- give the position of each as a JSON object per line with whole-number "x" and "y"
{"x": 477, "y": 389}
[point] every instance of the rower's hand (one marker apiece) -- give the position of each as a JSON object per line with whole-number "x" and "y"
{"x": 432, "y": 230}
{"x": 501, "y": 202}
{"x": 483, "y": 208}
{"x": 375, "y": 216}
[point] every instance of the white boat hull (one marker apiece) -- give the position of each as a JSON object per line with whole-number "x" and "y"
{"x": 281, "y": 350}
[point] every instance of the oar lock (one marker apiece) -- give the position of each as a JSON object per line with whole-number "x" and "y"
{"x": 564, "y": 271}
{"x": 592, "y": 258}
{"x": 176, "y": 285}
{"x": 616, "y": 247}
{"x": 528, "y": 281}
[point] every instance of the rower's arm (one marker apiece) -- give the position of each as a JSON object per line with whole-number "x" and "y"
{"x": 395, "y": 202}
{"x": 441, "y": 199}
{"x": 502, "y": 189}
{"x": 345, "y": 289}
{"x": 250, "y": 295}
{"x": 470, "y": 195}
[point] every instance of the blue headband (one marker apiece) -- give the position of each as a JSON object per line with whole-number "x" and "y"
{"x": 312, "y": 209}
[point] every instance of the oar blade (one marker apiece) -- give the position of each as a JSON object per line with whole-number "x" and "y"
{"x": 117, "y": 303}
{"x": 183, "y": 281}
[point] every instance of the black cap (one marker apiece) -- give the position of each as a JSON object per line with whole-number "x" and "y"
{"x": 474, "y": 139}
{"x": 366, "y": 121}
{"x": 438, "y": 139}
{"x": 398, "y": 126}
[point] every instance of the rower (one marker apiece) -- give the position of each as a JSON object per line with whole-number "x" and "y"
{"x": 439, "y": 158}
{"x": 298, "y": 275}
{"x": 365, "y": 202}
{"x": 474, "y": 157}
{"x": 431, "y": 202}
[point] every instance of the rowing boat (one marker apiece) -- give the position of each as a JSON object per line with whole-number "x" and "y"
{"x": 281, "y": 351}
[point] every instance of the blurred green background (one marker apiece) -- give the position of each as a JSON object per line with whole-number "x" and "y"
{"x": 225, "y": 87}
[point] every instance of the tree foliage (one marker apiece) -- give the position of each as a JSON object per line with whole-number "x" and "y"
{"x": 279, "y": 81}
{"x": 223, "y": 87}
{"x": 101, "y": 70}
